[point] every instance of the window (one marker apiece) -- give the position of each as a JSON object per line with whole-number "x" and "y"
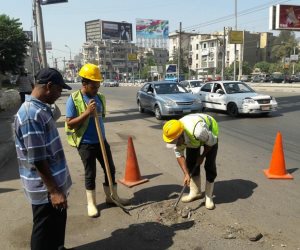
{"x": 197, "y": 57}
{"x": 197, "y": 46}
{"x": 204, "y": 45}
{"x": 212, "y": 44}
{"x": 196, "y": 65}
{"x": 207, "y": 87}
{"x": 145, "y": 88}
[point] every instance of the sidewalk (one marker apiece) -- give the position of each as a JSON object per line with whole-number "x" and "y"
{"x": 7, "y": 144}
{"x": 9, "y": 105}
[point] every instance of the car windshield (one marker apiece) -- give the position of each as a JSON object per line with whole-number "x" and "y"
{"x": 196, "y": 83}
{"x": 169, "y": 88}
{"x": 237, "y": 87}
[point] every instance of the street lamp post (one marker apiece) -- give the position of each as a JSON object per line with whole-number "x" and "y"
{"x": 70, "y": 51}
{"x": 72, "y": 71}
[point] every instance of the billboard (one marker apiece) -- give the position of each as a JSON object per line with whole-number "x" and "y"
{"x": 132, "y": 57}
{"x": 116, "y": 31}
{"x": 44, "y": 2}
{"x": 152, "y": 33}
{"x": 171, "y": 68}
{"x": 287, "y": 17}
{"x": 29, "y": 35}
{"x": 48, "y": 45}
{"x": 149, "y": 28}
{"x": 236, "y": 37}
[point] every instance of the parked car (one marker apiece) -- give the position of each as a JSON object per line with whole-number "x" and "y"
{"x": 277, "y": 77}
{"x": 255, "y": 78}
{"x": 245, "y": 78}
{"x": 265, "y": 77}
{"x": 192, "y": 85}
{"x": 110, "y": 83}
{"x": 167, "y": 98}
{"x": 236, "y": 98}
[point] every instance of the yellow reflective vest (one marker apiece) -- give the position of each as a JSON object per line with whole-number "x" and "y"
{"x": 190, "y": 122}
{"x": 74, "y": 136}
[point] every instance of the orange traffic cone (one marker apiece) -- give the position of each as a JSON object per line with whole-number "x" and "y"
{"x": 277, "y": 164}
{"x": 132, "y": 172}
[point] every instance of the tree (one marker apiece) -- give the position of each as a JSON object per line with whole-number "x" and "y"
{"x": 263, "y": 66}
{"x": 13, "y": 44}
{"x": 283, "y": 45}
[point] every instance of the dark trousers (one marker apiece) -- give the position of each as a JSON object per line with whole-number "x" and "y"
{"x": 89, "y": 153}
{"x": 210, "y": 162}
{"x": 49, "y": 224}
{"x": 22, "y": 95}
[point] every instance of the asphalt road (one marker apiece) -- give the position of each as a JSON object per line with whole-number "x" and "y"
{"x": 244, "y": 197}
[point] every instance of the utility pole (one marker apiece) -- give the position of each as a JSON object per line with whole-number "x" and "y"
{"x": 234, "y": 62}
{"x": 241, "y": 57}
{"x": 39, "y": 21}
{"x": 179, "y": 51}
{"x": 223, "y": 54}
{"x": 294, "y": 62}
{"x": 55, "y": 64}
{"x": 64, "y": 61}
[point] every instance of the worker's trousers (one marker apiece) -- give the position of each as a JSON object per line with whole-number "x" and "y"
{"x": 209, "y": 165}
{"x": 49, "y": 225}
{"x": 89, "y": 153}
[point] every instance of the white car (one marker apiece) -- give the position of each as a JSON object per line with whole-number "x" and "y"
{"x": 192, "y": 85}
{"x": 235, "y": 98}
{"x": 110, "y": 83}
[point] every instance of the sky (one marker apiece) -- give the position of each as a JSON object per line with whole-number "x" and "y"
{"x": 64, "y": 23}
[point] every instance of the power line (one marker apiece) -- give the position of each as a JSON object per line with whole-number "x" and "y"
{"x": 231, "y": 16}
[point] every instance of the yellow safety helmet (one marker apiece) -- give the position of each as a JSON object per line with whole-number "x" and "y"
{"x": 172, "y": 130}
{"x": 91, "y": 72}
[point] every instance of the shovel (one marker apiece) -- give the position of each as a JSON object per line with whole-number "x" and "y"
{"x": 103, "y": 150}
{"x": 183, "y": 189}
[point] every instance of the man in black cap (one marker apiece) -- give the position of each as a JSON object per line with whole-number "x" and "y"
{"x": 42, "y": 164}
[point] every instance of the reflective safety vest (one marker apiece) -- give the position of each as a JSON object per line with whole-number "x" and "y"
{"x": 74, "y": 136}
{"x": 191, "y": 121}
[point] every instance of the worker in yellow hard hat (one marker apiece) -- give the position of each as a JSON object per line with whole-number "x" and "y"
{"x": 82, "y": 133}
{"x": 189, "y": 134}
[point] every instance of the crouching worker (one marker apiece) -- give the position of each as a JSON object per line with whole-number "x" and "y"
{"x": 189, "y": 134}
{"x": 82, "y": 133}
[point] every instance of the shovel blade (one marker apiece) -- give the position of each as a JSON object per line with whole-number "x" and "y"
{"x": 119, "y": 204}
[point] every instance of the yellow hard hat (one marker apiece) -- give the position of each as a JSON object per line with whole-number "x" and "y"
{"x": 91, "y": 72}
{"x": 172, "y": 130}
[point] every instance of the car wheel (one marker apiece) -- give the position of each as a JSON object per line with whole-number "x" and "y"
{"x": 232, "y": 109}
{"x": 141, "y": 110}
{"x": 157, "y": 113}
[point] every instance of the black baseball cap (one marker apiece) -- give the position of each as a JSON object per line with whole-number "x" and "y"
{"x": 51, "y": 75}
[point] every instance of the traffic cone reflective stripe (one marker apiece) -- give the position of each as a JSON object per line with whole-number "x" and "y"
{"x": 277, "y": 165}
{"x": 132, "y": 172}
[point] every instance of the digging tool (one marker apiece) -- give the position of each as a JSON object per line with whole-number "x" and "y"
{"x": 183, "y": 188}
{"x": 103, "y": 150}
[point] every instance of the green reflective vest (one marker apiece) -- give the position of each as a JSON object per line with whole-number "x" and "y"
{"x": 74, "y": 136}
{"x": 190, "y": 122}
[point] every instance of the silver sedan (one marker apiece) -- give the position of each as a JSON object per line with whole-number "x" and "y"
{"x": 167, "y": 99}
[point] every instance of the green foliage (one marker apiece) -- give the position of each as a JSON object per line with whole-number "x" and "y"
{"x": 283, "y": 45}
{"x": 246, "y": 68}
{"x": 13, "y": 43}
{"x": 263, "y": 66}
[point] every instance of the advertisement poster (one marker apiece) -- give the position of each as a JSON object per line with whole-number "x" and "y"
{"x": 116, "y": 31}
{"x": 288, "y": 17}
{"x": 150, "y": 28}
